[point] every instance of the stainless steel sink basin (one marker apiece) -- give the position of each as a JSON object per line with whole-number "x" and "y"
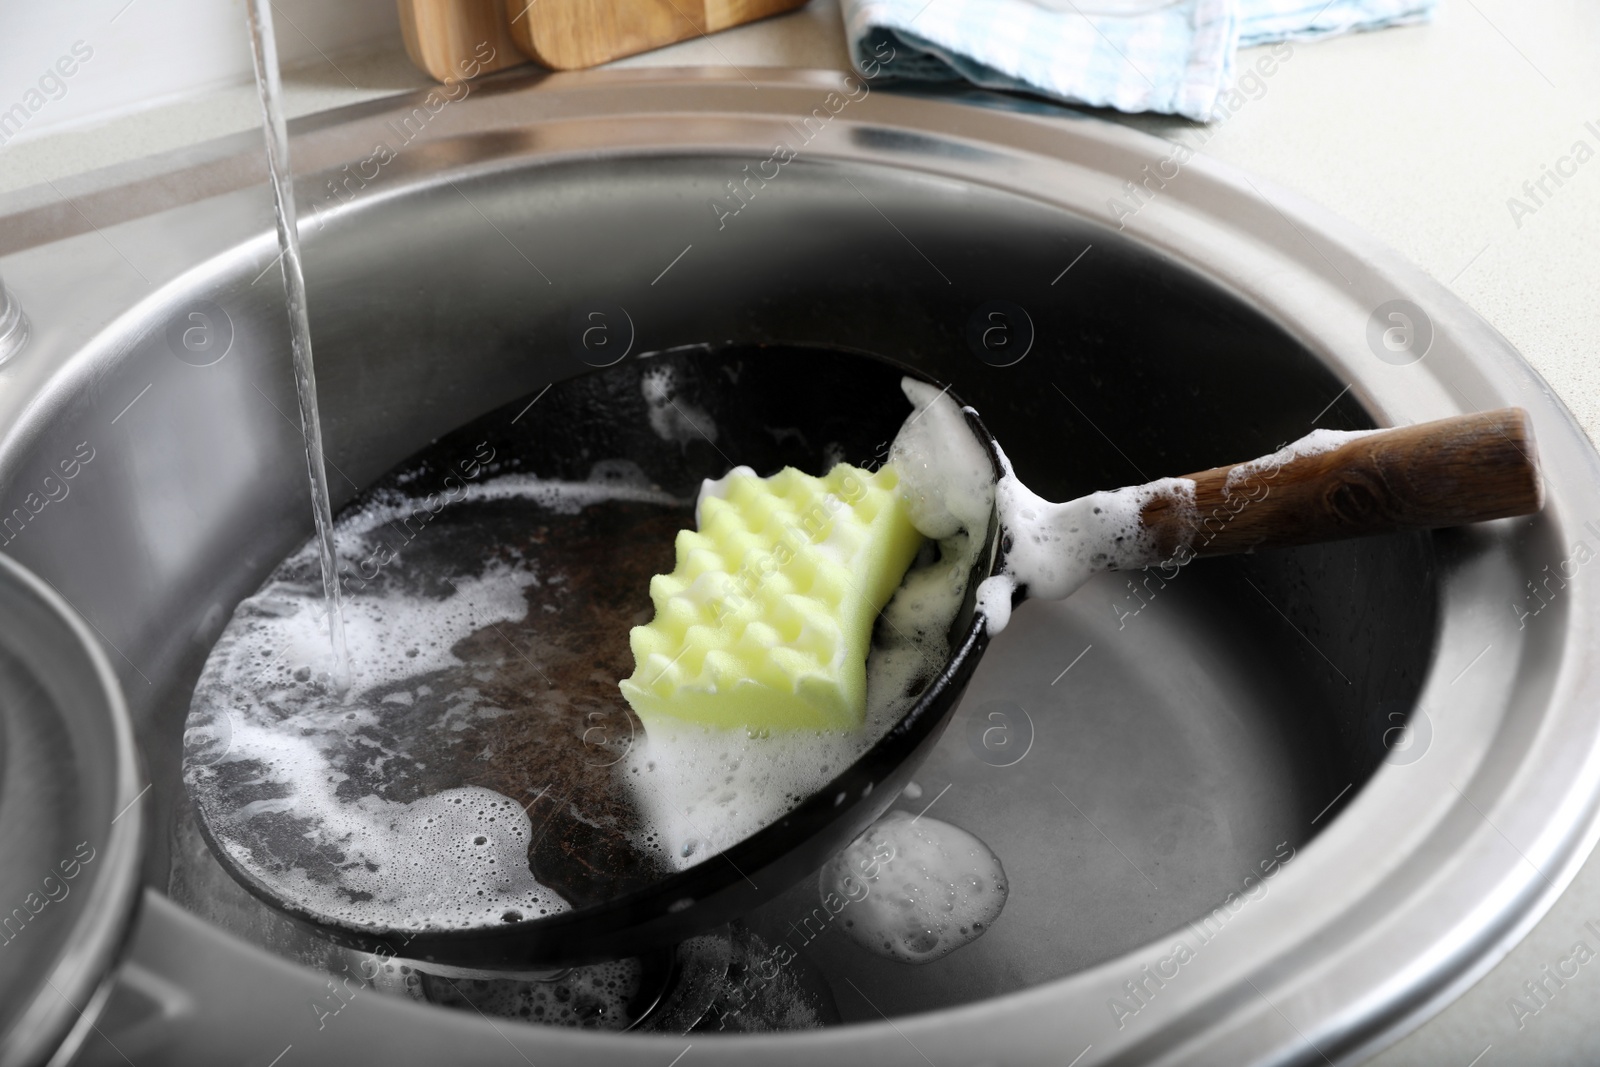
{"x": 1276, "y": 810}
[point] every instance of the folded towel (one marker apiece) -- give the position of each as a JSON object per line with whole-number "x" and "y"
{"x": 1269, "y": 21}
{"x": 1176, "y": 58}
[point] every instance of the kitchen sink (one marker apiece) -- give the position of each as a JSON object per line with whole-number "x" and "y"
{"x": 1275, "y": 810}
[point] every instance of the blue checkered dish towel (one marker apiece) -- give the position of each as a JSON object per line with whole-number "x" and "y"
{"x": 1171, "y": 56}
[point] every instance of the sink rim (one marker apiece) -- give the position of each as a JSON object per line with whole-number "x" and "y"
{"x": 1229, "y": 227}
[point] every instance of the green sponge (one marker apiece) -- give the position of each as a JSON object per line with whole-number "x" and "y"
{"x": 765, "y": 620}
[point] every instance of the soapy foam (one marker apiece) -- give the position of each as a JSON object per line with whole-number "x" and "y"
{"x": 761, "y": 993}
{"x": 948, "y": 484}
{"x": 596, "y": 997}
{"x": 1051, "y": 549}
{"x": 454, "y": 859}
{"x": 561, "y": 498}
{"x": 672, "y": 418}
{"x": 946, "y": 478}
{"x": 1314, "y": 443}
{"x": 940, "y": 888}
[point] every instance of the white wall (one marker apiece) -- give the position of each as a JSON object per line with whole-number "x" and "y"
{"x": 147, "y": 52}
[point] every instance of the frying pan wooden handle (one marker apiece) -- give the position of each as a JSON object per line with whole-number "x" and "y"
{"x": 1459, "y": 470}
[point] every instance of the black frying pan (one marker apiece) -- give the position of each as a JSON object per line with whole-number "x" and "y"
{"x": 765, "y": 407}
{"x": 772, "y": 407}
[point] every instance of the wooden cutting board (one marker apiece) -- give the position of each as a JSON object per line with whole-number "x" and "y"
{"x": 448, "y": 38}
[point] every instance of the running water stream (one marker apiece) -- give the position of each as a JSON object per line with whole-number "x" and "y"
{"x": 264, "y": 50}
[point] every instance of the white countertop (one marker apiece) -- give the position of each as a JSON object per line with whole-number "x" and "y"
{"x": 1419, "y": 134}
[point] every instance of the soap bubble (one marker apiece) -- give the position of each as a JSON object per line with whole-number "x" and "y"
{"x": 914, "y": 889}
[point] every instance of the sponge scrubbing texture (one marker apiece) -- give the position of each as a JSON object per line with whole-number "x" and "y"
{"x": 765, "y": 621}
